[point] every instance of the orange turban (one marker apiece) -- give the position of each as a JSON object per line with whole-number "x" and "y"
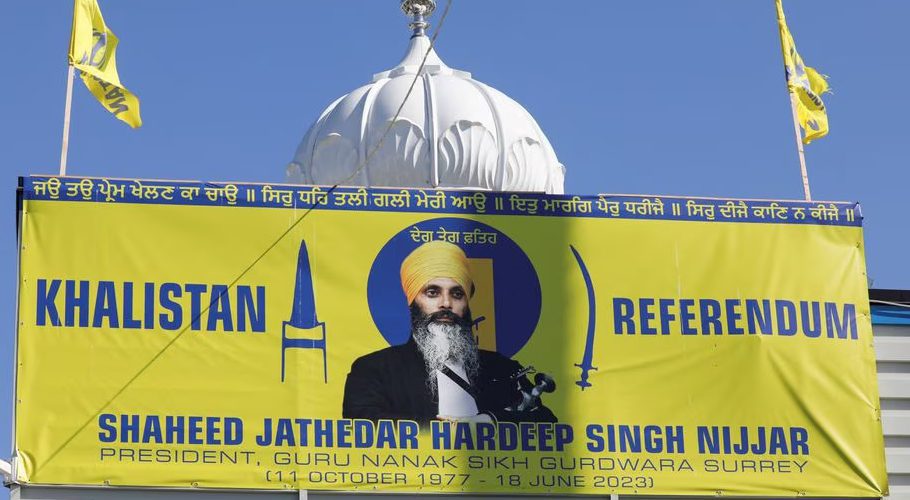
{"x": 434, "y": 259}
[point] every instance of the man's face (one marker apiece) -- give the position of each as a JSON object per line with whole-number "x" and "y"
{"x": 441, "y": 328}
{"x": 442, "y": 294}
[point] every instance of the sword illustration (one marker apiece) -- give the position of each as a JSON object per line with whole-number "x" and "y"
{"x": 588, "y": 356}
{"x": 303, "y": 323}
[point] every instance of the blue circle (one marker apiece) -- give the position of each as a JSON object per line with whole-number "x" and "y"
{"x": 516, "y": 294}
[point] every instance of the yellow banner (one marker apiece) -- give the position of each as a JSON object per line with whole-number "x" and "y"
{"x": 248, "y": 336}
{"x": 93, "y": 51}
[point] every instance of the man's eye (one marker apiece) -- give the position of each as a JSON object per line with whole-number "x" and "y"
{"x": 458, "y": 294}
{"x": 432, "y": 292}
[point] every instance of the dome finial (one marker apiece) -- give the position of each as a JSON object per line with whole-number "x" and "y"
{"x": 418, "y": 11}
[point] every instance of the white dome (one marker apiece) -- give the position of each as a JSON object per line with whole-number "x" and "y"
{"x": 453, "y": 132}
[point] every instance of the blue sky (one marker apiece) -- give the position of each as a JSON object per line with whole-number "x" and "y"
{"x": 657, "y": 97}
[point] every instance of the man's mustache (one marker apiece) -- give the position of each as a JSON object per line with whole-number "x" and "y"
{"x": 444, "y": 316}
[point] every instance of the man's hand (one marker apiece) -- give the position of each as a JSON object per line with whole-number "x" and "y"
{"x": 476, "y": 419}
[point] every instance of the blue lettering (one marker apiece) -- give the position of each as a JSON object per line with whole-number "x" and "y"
{"x": 220, "y": 310}
{"x": 363, "y": 433}
{"x": 841, "y": 327}
{"x": 246, "y": 309}
{"x": 195, "y": 430}
{"x": 544, "y": 436}
{"x": 265, "y": 439}
{"x": 786, "y": 317}
{"x": 149, "y": 306}
{"x": 385, "y": 434}
{"x": 630, "y": 438}
{"x": 710, "y": 316}
{"x": 284, "y": 433}
{"x": 623, "y": 311}
{"x": 708, "y": 440}
{"x": 758, "y": 447}
{"x": 733, "y": 317}
{"x": 174, "y": 429}
{"x": 727, "y": 439}
{"x": 759, "y": 315}
{"x": 173, "y": 320}
{"x": 666, "y": 317}
{"x": 233, "y": 430}
{"x": 508, "y": 436}
{"x": 644, "y": 310}
{"x": 742, "y": 447}
{"x": 304, "y": 425}
{"x": 344, "y": 433}
{"x": 463, "y": 439}
{"x": 778, "y": 444}
{"x": 407, "y": 434}
{"x": 74, "y": 301}
{"x": 808, "y": 321}
{"x": 564, "y": 435}
{"x": 799, "y": 441}
{"x": 486, "y": 436}
{"x": 675, "y": 441}
{"x": 685, "y": 316}
{"x": 107, "y": 422}
{"x": 128, "y": 320}
{"x": 152, "y": 430}
{"x": 129, "y": 428}
{"x": 653, "y": 441}
{"x": 106, "y": 305}
{"x": 47, "y": 306}
{"x": 212, "y": 430}
{"x": 195, "y": 290}
{"x": 441, "y": 434}
{"x": 322, "y": 431}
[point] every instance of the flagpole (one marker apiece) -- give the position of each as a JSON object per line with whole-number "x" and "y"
{"x": 799, "y": 147}
{"x": 793, "y": 103}
{"x": 66, "y": 118}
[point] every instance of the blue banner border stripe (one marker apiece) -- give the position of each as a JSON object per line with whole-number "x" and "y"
{"x": 102, "y": 190}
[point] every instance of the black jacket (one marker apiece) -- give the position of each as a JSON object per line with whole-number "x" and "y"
{"x": 392, "y": 384}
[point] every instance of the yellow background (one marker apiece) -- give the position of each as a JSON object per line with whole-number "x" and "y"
{"x": 67, "y": 376}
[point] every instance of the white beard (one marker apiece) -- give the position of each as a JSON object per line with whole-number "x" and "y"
{"x": 442, "y": 343}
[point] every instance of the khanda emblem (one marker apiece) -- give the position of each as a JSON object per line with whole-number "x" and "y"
{"x": 303, "y": 330}
{"x": 98, "y": 56}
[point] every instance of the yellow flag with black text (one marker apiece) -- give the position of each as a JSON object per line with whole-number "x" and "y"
{"x": 93, "y": 49}
{"x": 807, "y": 84}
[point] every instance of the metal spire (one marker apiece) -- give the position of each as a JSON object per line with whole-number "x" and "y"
{"x": 418, "y": 11}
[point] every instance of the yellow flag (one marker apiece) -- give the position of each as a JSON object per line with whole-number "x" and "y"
{"x": 93, "y": 52}
{"x": 806, "y": 83}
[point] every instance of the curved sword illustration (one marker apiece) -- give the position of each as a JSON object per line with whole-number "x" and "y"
{"x": 588, "y": 356}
